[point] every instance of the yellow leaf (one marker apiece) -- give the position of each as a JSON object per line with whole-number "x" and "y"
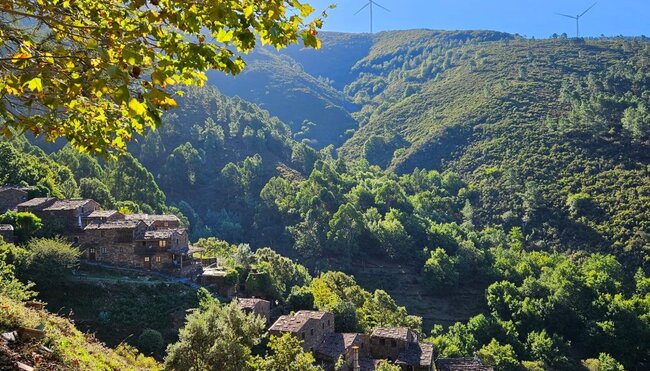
{"x": 137, "y": 107}
{"x": 248, "y": 11}
{"x": 35, "y": 84}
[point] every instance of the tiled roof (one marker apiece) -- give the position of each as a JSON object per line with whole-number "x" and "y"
{"x": 461, "y": 364}
{"x": 249, "y": 303}
{"x": 60, "y": 205}
{"x": 13, "y": 188}
{"x": 35, "y": 202}
{"x": 335, "y": 344}
{"x": 401, "y": 333}
{"x": 103, "y": 213}
{"x": 289, "y": 323}
{"x": 153, "y": 218}
{"x": 161, "y": 234}
{"x": 417, "y": 354}
{"x": 312, "y": 314}
{"x": 6, "y": 227}
{"x": 114, "y": 224}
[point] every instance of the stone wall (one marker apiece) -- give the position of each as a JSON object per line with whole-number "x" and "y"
{"x": 9, "y": 198}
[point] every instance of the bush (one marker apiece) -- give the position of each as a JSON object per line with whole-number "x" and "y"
{"x": 51, "y": 261}
{"x": 150, "y": 342}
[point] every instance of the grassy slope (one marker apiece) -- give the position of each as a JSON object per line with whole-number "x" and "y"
{"x": 71, "y": 349}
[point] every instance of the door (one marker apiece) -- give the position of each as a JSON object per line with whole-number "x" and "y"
{"x": 91, "y": 253}
{"x": 147, "y": 262}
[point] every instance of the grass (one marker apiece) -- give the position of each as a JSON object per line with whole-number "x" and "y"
{"x": 70, "y": 347}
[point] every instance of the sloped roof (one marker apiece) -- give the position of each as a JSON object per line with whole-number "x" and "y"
{"x": 35, "y": 202}
{"x": 401, "y": 333}
{"x": 153, "y": 218}
{"x": 290, "y": 323}
{"x": 114, "y": 224}
{"x": 461, "y": 364}
{"x": 61, "y": 205}
{"x": 103, "y": 213}
{"x": 336, "y": 344}
{"x": 13, "y": 188}
{"x": 417, "y": 354}
{"x": 313, "y": 314}
{"x": 250, "y": 303}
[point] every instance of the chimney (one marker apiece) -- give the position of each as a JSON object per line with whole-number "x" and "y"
{"x": 355, "y": 358}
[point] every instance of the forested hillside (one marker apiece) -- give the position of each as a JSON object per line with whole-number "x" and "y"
{"x": 552, "y": 134}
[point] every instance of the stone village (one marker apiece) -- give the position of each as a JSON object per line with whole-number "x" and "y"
{"x": 160, "y": 243}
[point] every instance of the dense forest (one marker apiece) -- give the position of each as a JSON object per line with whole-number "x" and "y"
{"x": 513, "y": 170}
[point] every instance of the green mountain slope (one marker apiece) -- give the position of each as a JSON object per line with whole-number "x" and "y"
{"x": 279, "y": 85}
{"x": 213, "y": 155}
{"x": 512, "y": 116}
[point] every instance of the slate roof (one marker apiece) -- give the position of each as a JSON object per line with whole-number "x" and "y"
{"x": 312, "y": 314}
{"x": 249, "y": 303}
{"x": 417, "y": 354}
{"x": 103, "y": 213}
{"x": 13, "y": 188}
{"x": 400, "y": 333}
{"x": 461, "y": 364}
{"x": 35, "y": 202}
{"x": 160, "y": 234}
{"x": 61, "y": 205}
{"x": 335, "y": 344}
{"x": 289, "y": 323}
{"x": 114, "y": 224}
{"x": 6, "y": 227}
{"x": 153, "y": 218}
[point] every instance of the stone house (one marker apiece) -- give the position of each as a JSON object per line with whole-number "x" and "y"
{"x": 103, "y": 216}
{"x": 400, "y": 345}
{"x": 344, "y": 346}
{"x": 7, "y": 232}
{"x": 10, "y": 197}
{"x": 219, "y": 280}
{"x": 260, "y": 307}
{"x": 461, "y": 364}
{"x": 61, "y": 216}
{"x": 34, "y": 204}
{"x": 310, "y": 327}
{"x": 157, "y": 221}
{"x": 164, "y": 249}
{"x": 112, "y": 242}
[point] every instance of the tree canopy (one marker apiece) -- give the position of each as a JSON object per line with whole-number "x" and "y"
{"x": 98, "y": 73}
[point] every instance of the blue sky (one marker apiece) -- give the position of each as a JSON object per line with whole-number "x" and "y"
{"x": 525, "y": 17}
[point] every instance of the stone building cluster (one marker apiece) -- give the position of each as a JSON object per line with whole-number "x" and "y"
{"x": 358, "y": 352}
{"x": 150, "y": 242}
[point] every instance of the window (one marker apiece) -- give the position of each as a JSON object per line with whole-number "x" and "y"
{"x": 328, "y": 323}
{"x": 302, "y": 336}
{"x": 393, "y": 343}
{"x": 102, "y": 233}
{"x": 157, "y": 259}
{"x": 146, "y": 259}
{"x": 312, "y": 332}
{"x": 103, "y": 250}
{"x": 323, "y": 326}
{"x": 92, "y": 250}
{"x": 162, "y": 243}
{"x": 121, "y": 249}
{"x": 166, "y": 224}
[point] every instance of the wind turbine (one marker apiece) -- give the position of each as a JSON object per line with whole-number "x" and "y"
{"x": 370, "y": 4}
{"x": 577, "y": 18}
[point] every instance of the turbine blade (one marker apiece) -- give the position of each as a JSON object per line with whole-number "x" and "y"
{"x": 588, "y": 9}
{"x": 566, "y": 15}
{"x": 386, "y": 9}
{"x": 362, "y": 8}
